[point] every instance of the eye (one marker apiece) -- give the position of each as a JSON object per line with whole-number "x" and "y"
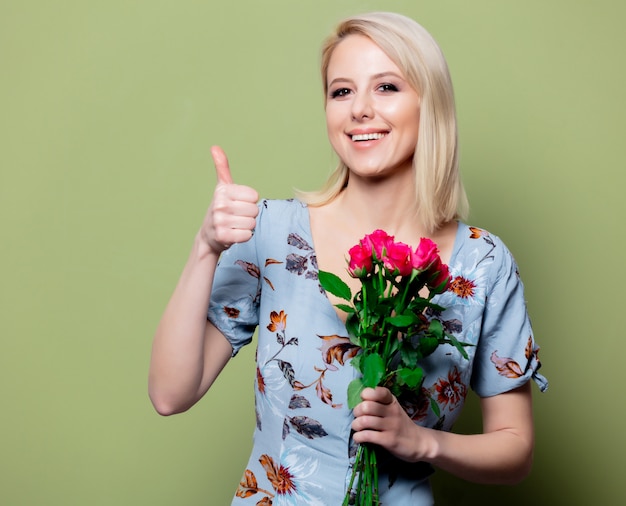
{"x": 387, "y": 87}
{"x": 339, "y": 92}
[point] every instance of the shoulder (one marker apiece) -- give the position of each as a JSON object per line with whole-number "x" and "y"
{"x": 478, "y": 248}
{"x": 281, "y": 210}
{"x": 280, "y": 218}
{"x": 479, "y": 238}
{"x": 281, "y": 204}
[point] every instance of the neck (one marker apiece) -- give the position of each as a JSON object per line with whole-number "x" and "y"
{"x": 388, "y": 204}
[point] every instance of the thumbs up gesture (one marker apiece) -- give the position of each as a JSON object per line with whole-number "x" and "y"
{"x": 231, "y": 217}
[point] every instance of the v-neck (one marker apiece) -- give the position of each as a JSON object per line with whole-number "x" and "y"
{"x": 307, "y": 229}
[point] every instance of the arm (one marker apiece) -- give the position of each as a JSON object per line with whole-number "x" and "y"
{"x": 188, "y": 352}
{"x": 502, "y": 454}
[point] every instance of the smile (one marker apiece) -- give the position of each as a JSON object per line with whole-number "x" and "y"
{"x": 368, "y": 137}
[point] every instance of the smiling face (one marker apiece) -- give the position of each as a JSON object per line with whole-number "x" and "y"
{"x": 372, "y": 113}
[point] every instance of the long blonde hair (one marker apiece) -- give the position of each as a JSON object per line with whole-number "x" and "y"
{"x": 440, "y": 193}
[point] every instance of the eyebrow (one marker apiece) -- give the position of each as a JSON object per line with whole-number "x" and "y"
{"x": 374, "y": 77}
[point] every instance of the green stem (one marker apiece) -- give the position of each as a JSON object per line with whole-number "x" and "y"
{"x": 355, "y": 468}
{"x": 365, "y": 310}
{"x": 366, "y": 488}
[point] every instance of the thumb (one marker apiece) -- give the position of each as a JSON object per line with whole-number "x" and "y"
{"x": 221, "y": 165}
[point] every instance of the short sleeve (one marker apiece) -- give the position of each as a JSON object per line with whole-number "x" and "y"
{"x": 506, "y": 355}
{"x": 236, "y": 292}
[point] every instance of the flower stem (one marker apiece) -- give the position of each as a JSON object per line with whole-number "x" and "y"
{"x": 365, "y": 492}
{"x": 355, "y": 467}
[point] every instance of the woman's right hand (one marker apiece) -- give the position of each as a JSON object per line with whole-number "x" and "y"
{"x": 231, "y": 217}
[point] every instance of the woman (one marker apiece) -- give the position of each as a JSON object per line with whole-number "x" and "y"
{"x": 391, "y": 120}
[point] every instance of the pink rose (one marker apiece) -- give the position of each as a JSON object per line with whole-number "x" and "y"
{"x": 360, "y": 262}
{"x": 425, "y": 254}
{"x": 379, "y": 241}
{"x": 398, "y": 259}
{"x": 440, "y": 274}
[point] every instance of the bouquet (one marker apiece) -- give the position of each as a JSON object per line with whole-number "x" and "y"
{"x": 386, "y": 320}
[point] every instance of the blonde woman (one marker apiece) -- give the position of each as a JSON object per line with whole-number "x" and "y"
{"x": 391, "y": 120}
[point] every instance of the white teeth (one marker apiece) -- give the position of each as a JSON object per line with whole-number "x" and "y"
{"x": 368, "y": 137}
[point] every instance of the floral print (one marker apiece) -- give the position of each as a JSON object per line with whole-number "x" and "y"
{"x": 463, "y": 287}
{"x": 278, "y": 322}
{"x": 337, "y": 348}
{"x": 301, "y": 264}
{"x": 451, "y": 390}
{"x": 302, "y": 445}
{"x": 509, "y": 368}
{"x": 286, "y": 477}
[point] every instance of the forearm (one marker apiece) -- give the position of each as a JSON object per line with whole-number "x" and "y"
{"x": 502, "y": 454}
{"x": 177, "y": 362}
{"x": 500, "y": 457}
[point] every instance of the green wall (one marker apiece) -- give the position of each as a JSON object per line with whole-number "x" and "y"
{"x": 107, "y": 112}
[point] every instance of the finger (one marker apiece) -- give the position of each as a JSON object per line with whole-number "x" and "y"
{"x": 367, "y": 423}
{"x": 234, "y": 236}
{"x": 379, "y": 394}
{"x": 236, "y": 223}
{"x": 222, "y": 168}
{"x": 373, "y": 436}
{"x": 239, "y": 193}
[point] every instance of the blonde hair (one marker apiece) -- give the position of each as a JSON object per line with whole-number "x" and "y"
{"x": 440, "y": 193}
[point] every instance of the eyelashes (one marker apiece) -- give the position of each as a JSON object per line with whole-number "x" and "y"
{"x": 388, "y": 87}
{"x": 384, "y": 88}
{"x": 339, "y": 92}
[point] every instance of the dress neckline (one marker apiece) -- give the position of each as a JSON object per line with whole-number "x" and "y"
{"x": 306, "y": 222}
{"x": 306, "y": 228}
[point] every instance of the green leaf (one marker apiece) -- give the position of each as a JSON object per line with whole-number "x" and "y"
{"x": 370, "y": 337}
{"x": 436, "y": 329}
{"x": 403, "y": 320}
{"x": 427, "y": 345}
{"x": 345, "y": 308}
{"x": 352, "y": 326}
{"x": 356, "y": 340}
{"x": 417, "y": 305}
{"x": 356, "y": 362}
{"x": 373, "y": 368}
{"x": 435, "y": 407}
{"x": 409, "y": 356}
{"x": 455, "y": 342}
{"x": 410, "y": 377}
{"x": 355, "y": 387}
{"x": 392, "y": 346}
{"x": 394, "y": 387}
{"x": 335, "y": 285}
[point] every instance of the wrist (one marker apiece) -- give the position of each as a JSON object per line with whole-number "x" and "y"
{"x": 203, "y": 251}
{"x": 429, "y": 444}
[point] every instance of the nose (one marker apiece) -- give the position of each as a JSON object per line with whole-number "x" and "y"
{"x": 362, "y": 107}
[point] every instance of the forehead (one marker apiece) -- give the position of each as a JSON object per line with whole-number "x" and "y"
{"x": 357, "y": 54}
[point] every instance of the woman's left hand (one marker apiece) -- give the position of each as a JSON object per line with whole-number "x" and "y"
{"x": 379, "y": 419}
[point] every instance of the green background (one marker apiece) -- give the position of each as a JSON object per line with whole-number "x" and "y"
{"x": 107, "y": 113}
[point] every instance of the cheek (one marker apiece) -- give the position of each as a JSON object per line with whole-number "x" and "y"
{"x": 332, "y": 116}
{"x": 334, "y": 127}
{"x": 403, "y": 115}
{"x": 411, "y": 123}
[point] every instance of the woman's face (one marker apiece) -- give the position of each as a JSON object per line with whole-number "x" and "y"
{"x": 372, "y": 113}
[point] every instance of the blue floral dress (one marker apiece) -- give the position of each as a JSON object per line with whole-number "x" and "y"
{"x": 302, "y": 449}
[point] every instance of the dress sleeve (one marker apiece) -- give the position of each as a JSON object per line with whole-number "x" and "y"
{"x": 506, "y": 355}
{"x": 234, "y": 304}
